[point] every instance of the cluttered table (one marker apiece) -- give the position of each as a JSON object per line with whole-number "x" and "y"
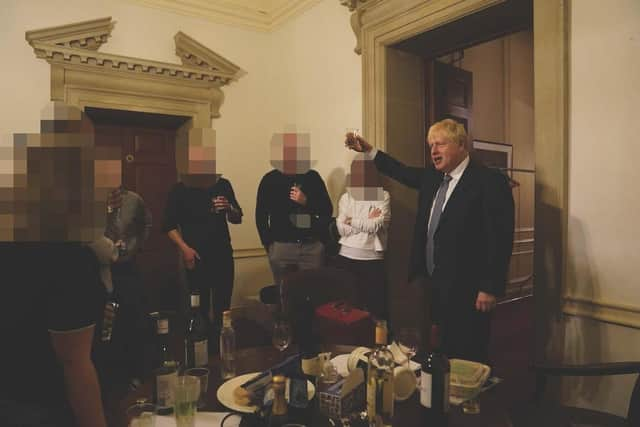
{"x": 257, "y": 359}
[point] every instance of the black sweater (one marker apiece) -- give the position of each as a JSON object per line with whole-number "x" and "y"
{"x": 280, "y": 219}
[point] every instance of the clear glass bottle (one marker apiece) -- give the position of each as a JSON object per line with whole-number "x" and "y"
{"x": 166, "y": 371}
{"x": 380, "y": 380}
{"x": 109, "y": 318}
{"x": 195, "y": 339}
{"x": 227, "y": 347}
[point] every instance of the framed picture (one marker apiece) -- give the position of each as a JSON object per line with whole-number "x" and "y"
{"x": 494, "y": 154}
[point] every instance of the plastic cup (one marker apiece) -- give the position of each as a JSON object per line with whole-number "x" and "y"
{"x": 203, "y": 376}
{"x": 186, "y": 394}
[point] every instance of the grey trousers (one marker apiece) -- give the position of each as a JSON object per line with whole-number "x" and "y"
{"x": 301, "y": 256}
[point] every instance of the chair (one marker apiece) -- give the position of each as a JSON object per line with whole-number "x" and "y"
{"x": 551, "y": 414}
{"x": 306, "y": 290}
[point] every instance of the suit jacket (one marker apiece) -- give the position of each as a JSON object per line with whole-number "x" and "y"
{"x": 473, "y": 242}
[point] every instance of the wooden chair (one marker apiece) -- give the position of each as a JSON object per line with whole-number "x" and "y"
{"x": 550, "y": 414}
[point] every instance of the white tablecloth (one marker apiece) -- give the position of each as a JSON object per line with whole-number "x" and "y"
{"x": 203, "y": 419}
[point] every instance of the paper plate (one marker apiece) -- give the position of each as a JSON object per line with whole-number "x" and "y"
{"x": 225, "y": 393}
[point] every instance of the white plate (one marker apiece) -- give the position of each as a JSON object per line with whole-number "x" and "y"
{"x": 225, "y": 393}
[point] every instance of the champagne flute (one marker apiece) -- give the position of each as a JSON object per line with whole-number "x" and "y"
{"x": 281, "y": 335}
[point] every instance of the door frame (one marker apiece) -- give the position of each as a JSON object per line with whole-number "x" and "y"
{"x": 380, "y": 24}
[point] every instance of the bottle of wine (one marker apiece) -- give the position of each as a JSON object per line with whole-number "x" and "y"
{"x": 195, "y": 339}
{"x": 434, "y": 383}
{"x": 166, "y": 371}
{"x": 380, "y": 380}
{"x": 279, "y": 414}
{"x": 227, "y": 347}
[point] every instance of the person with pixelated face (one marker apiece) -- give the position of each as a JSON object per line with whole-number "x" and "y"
{"x": 462, "y": 239}
{"x": 293, "y": 207}
{"x": 198, "y": 210}
{"x": 56, "y": 208}
{"x": 364, "y": 215}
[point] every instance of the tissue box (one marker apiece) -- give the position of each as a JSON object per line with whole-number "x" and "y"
{"x": 344, "y": 397}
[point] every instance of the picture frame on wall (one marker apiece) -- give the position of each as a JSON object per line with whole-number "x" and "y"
{"x": 494, "y": 154}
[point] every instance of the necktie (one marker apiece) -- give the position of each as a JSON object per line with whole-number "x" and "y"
{"x": 435, "y": 220}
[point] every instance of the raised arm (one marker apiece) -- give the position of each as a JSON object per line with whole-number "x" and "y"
{"x": 407, "y": 175}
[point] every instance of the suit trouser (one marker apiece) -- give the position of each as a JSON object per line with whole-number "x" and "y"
{"x": 464, "y": 331}
{"x": 213, "y": 277}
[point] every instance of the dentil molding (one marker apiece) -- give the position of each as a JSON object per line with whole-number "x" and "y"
{"x": 80, "y": 75}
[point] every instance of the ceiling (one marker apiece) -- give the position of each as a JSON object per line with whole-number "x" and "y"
{"x": 261, "y": 15}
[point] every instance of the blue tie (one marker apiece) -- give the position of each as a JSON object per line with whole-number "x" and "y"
{"x": 435, "y": 220}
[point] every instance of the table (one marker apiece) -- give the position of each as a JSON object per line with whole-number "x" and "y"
{"x": 407, "y": 413}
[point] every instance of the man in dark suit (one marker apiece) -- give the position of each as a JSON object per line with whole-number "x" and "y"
{"x": 463, "y": 235}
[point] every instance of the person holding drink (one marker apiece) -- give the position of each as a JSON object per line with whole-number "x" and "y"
{"x": 198, "y": 210}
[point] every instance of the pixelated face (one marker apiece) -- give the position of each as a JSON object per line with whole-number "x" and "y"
{"x": 364, "y": 180}
{"x": 291, "y": 153}
{"x": 201, "y": 160}
{"x": 60, "y": 182}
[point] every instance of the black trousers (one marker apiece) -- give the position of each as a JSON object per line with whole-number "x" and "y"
{"x": 213, "y": 277}
{"x": 371, "y": 289}
{"x": 464, "y": 331}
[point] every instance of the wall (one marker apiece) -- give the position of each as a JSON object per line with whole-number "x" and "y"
{"x": 298, "y": 75}
{"x": 603, "y": 233}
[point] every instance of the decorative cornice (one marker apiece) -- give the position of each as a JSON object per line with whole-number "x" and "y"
{"x": 258, "y": 15}
{"x": 193, "y": 53}
{"x": 55, "y": 54}
{"x": 86, "y": 35}
{"x": 352, "y": 4}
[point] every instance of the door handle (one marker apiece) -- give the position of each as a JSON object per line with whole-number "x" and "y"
{"x": 129, "y": 158}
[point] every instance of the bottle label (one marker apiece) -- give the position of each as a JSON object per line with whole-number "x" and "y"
{"x": 426, "y": 399}
{"x": 201, "y": 353}
{"x": 164, "y": 387}
{"x": 163, "y": 326}
{"x": 195, "y": 300}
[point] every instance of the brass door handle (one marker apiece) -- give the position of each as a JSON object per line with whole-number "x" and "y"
{"x": 129, "y": 158}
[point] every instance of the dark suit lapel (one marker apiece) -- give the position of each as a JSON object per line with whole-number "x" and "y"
{"x": 466, "y": 181}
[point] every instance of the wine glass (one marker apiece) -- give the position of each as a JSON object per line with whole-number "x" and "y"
{"x": 408, "y": 340}
{"x": 281, "y": 335}
{"x": 355, "y": 133}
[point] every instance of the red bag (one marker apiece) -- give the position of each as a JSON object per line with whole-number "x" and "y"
{"x": 339, "y": 323}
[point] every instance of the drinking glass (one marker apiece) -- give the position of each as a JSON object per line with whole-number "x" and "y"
{"x": 203, "y": 375}
{"x": 142, "y": 414}
{"x": 186, "y": 394}
{"x": 281, "y": 335}
{"x": 354, "y": 131}
{"x": 408, "y": 340}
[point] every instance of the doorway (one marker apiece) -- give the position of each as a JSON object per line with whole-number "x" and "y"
{"x": 147, "y": 144}
{"x": 477, "y": 70}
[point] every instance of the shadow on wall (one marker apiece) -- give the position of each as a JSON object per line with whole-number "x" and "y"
{"x": 583, "y": 343}
{"x": 336, "y": 186}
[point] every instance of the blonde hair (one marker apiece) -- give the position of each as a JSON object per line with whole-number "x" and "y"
{"x": 449, "y": 129}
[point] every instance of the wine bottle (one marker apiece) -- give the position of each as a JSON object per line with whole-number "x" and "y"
{"x": 434, "y": 383}
{"x": 166, "y": 372}
{"x": 380, "y": 380}
{"x": 195, "y": 340}
{"x": 227, "y": 347}
{"x": 279, "y": 414}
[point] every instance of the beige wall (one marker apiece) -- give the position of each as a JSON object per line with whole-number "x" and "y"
{"x": 604, "y": 202}
{"x": 300, "y": 75}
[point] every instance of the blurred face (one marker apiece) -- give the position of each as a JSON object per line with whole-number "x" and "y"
{"x": 445, "y": 154}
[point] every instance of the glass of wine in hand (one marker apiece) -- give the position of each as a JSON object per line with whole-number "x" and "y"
{"x": 281, "y": 335}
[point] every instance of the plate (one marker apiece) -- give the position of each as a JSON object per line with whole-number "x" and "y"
{"x": 225, "y": 393}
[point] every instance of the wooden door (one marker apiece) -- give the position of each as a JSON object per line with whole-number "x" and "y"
{"x": 449, "y": 96}
{"x": 149, "y": 169}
